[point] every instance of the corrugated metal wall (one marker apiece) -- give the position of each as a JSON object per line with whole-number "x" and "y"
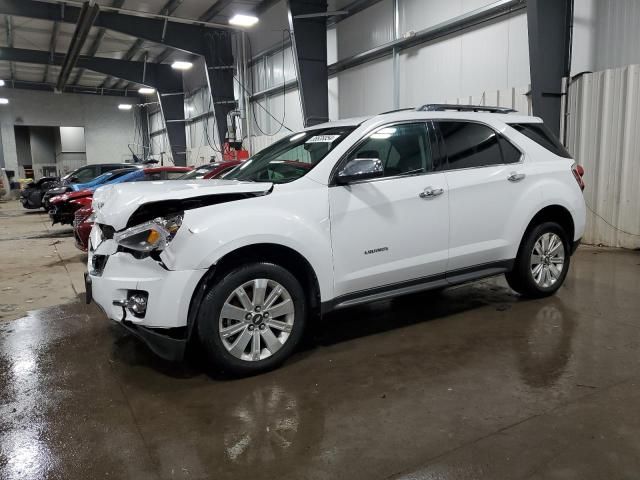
{"x": 491, "y": 57}
{"x": 603, "y": 134}
{"x": 606, "y": 34}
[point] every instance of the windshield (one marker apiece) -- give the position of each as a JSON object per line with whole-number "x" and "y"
{"x": 198, "y": 173}
{"x": 290, "y": 158}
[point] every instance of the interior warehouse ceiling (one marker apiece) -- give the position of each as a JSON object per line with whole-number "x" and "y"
{"x": 48, "y": 36}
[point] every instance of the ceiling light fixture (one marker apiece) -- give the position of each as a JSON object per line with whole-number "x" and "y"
{"x": 180, "y": 65}
{"x": 4, "y": 101}
{"x": 240, "y": 20}
{"x": 125, "y": 106}
{"x": 146, "y": 90}
{"x": 1, "y": 83}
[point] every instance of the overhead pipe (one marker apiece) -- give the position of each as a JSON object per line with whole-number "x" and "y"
{"x": 88, "y": 15}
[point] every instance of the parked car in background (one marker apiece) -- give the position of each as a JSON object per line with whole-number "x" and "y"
{"x": 81, "y": 175}
{"x": 63, "y": 207}
{"x": 32, "y": 194}
{"x": 103, "y": 179}
{"x": 337, "y": 215}
{"x": 211, "y": 170}
{"x": 83, "y": 220}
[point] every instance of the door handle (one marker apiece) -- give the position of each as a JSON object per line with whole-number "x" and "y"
{"x": 516, "y": 177}
{"x": 431, "y": 192}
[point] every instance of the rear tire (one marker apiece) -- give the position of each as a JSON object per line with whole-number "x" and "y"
{"x": 252, "y": 319}
{"x": 542, "y": 262}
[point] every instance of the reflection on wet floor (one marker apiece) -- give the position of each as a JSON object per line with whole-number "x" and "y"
{"x": 452, "y": 384}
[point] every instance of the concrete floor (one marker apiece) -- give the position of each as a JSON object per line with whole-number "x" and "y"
{"x": 470, "y": 383}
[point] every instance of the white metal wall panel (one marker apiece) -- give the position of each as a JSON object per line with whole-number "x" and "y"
{"x": 287, "y": 111}
{"x": 492, "y": 57}
{"x": 515, "y": 98}
{"x": 367, "y": 29}
{"x": 602, "y": 134}
{"x": 156, "y": 122}
{"x": 416, "y": 15}
{"x": 606, "y": 34}
{"x": 268, "y": 31}
{"x": 617, "y": 33}
{"x": 366, "y": 89}
{"x": 261, "y": 142}
{"x": 334, "y": 103}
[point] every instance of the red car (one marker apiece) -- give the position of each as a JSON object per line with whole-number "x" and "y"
{"x": 82, "y": 223}
{"x": 211, "y": 170}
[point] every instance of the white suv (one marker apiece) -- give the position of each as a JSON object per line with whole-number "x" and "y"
{"x": 337, "y": 215}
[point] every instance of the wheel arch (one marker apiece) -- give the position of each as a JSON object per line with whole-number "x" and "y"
{"x": 551, "y": 213}
{"x": 281, "y": 255}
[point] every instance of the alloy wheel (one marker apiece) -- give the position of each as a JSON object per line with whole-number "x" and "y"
{"x": 256, "y": 319}
{"x": 547, "y": 260}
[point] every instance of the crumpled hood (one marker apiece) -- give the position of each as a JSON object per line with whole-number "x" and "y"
{"x": 114, "y": 204}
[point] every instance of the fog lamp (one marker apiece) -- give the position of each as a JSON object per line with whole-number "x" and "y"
{"x": 137, "y": 303}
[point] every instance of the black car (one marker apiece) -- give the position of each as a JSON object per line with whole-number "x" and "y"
{"x": 32, "y": 194}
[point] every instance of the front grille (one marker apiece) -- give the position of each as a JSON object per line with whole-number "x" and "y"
{"x": 98, "y": 262}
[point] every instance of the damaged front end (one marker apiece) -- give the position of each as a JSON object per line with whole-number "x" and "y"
{"x": 127, "y": 277}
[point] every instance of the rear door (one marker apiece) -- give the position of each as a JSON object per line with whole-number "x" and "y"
{"x": 388, "y": 232}
{"x": 486, "y": 176}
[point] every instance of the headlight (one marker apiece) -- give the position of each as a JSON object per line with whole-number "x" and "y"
{"x": 153, "y": 235}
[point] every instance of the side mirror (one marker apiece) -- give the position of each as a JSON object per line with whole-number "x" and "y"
{"x": 360, "y": 169}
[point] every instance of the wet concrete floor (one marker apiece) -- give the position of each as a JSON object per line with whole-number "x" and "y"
{"x": 468, "y": 383}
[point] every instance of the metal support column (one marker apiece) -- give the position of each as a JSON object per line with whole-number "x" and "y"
{"x": 309, "y": 42}
{"x": 172, "y": 104}
{"x": 549, "y": 24}
{"x": 220, "y": 70}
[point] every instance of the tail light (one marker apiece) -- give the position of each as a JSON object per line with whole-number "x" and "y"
{"x": 578, "y": 173}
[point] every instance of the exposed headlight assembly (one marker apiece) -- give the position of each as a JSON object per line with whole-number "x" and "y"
{"x": 153, "y": 235}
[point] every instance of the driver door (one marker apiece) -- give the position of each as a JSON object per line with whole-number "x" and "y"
{"x": 392, "y": 231}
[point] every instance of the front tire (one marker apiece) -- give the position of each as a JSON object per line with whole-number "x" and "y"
{"x": 252, "y": 319}
{"x": 542, "y": 263}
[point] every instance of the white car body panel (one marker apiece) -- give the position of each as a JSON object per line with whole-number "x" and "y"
{"x": 355, "y": 238}
{"x": 410, "y": 233}
{"x": 114, "y": 204}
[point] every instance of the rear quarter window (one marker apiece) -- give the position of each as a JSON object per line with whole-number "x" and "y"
{"x": 540, "y": 134}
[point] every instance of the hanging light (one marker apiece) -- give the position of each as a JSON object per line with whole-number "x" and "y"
{"x": 125, "y": 106}
{"x": 4, "y": 101}
{"x": 240, "y": 20}
{"x": 146, "y": 91}
{"x": 181, "y": 65}
{"x": 1, "y": 83}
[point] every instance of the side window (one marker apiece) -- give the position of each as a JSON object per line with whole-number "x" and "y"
{"x": 108, "y": 168}
{"x": 174, "y": 175}
{"x": 151, "y": 177}
{"x": 86, "y": 174}
{"x": 540, "y": 134}
{"x": 404, "y": 149}
{"x": 468, "y": 144}
{"x": 510, "y": 154}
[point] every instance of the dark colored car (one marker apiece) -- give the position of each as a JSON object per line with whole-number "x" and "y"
{"x": 81, "y": 175}
{"x": 31, "y": 195}
{"x": 83, "y": 220}
{"x": 63, "y": 207}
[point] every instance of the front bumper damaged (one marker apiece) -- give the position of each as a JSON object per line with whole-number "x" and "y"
{"x": 114, "y": 276}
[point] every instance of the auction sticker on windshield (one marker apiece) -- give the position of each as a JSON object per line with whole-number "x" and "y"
{"x": 323, "y": 139}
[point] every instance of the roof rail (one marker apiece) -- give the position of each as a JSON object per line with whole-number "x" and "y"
{"x": 441, "y": 107}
